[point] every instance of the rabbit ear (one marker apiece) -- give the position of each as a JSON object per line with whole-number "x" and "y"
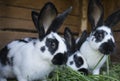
{"x": 47, "y": 14}
{"x": 70, "y": 41}
{"x": 40, "y": 30}
{"x": 82, "y": 39}
{"x": 35, "y": 18}
{"x": 113, "y": 19}
{"x": 95, "y": 13}
{"x": 58, "y": 21}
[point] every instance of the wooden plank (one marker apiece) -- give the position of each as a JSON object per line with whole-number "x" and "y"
{"x": 111, "y": 6}
{"x": 7, "y": 36}
{"x": 25, "y": 14}
{"x": 22, "y": 13}
{"x": 84, "y": 21}
{"x": 115, "y": 57}
{"x": 61, "y": 5}
{"x": 117, "y": 36}
{"x": 108, "y": 7}
{"x": 15, "y": 12}
{"x": 116, "y": 27}
{"x": 28, "y": 25}
{"x": 15, "y": 23}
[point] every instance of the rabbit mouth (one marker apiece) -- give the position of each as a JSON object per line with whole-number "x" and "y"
{"x": 107, "y": 48}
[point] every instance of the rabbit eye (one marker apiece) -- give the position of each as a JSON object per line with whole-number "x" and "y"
{"x": 53, "y": 45}
{"x": 99, "y": 35}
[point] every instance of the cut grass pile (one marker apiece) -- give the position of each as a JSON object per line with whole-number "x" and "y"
{"x": 67, "y": 74}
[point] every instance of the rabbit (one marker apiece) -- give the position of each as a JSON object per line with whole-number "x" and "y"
{"x": 75, "y": 59}
{"x": 30, "y": 59}
{"x": 100, "y": 43}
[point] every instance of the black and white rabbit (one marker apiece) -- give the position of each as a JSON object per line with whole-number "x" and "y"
{"x": 75, "y": 59}
{"x": 31, "y": 59}
{"x": 100, "y": 43}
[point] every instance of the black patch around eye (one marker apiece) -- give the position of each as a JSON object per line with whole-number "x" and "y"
{"x": 3, "y": 56}
{"x": 78, "y": 60}
{"x": 52, "y": 45}
{"x": 99, "y": 35}
{"x": 42, "y": 48}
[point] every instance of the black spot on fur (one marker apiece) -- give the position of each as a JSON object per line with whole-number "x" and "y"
{"x": 52, "y": 45}
{"x": 22, "y": 40}
{"x": 42, "y": 48}
{"x": 107, "y": 47}
{"x": 71, "y": 62}
{"x": 3, "y": 56}
{"x": 84, "y": 71}
{"x": 78, "y": 60}
{"x": 99, "y": 35}
{"x": 27, "y": 40}
{"x": 59, "y": 59}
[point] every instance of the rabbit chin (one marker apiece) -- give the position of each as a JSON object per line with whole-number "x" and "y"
{"x": 107, "y": 48}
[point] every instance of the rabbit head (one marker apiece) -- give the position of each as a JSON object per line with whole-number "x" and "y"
{"x": 47, "y": 22}
{"x": 101, "y": 38}
{"x": 75, "y": 59}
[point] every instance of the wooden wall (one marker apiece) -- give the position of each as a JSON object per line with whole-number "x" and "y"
{"x": 16, "y": 22}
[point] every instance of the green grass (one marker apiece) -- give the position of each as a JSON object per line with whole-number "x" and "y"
{"x": 67, "y": 74}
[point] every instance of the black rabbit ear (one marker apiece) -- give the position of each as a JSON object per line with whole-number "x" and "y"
{"x": 113, "y": 19}
{"x": 95, "y": 13}
{"x": 47, "y": 14}
{"x": 58, "y": 21}
{"x": 40, "y": 30}
{"x": 69, "y": 39}
{"x": 35, "y": 18}
{"x": 81, "y": 40}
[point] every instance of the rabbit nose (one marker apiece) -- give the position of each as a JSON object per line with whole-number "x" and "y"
{"x": 107, "y": 47}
